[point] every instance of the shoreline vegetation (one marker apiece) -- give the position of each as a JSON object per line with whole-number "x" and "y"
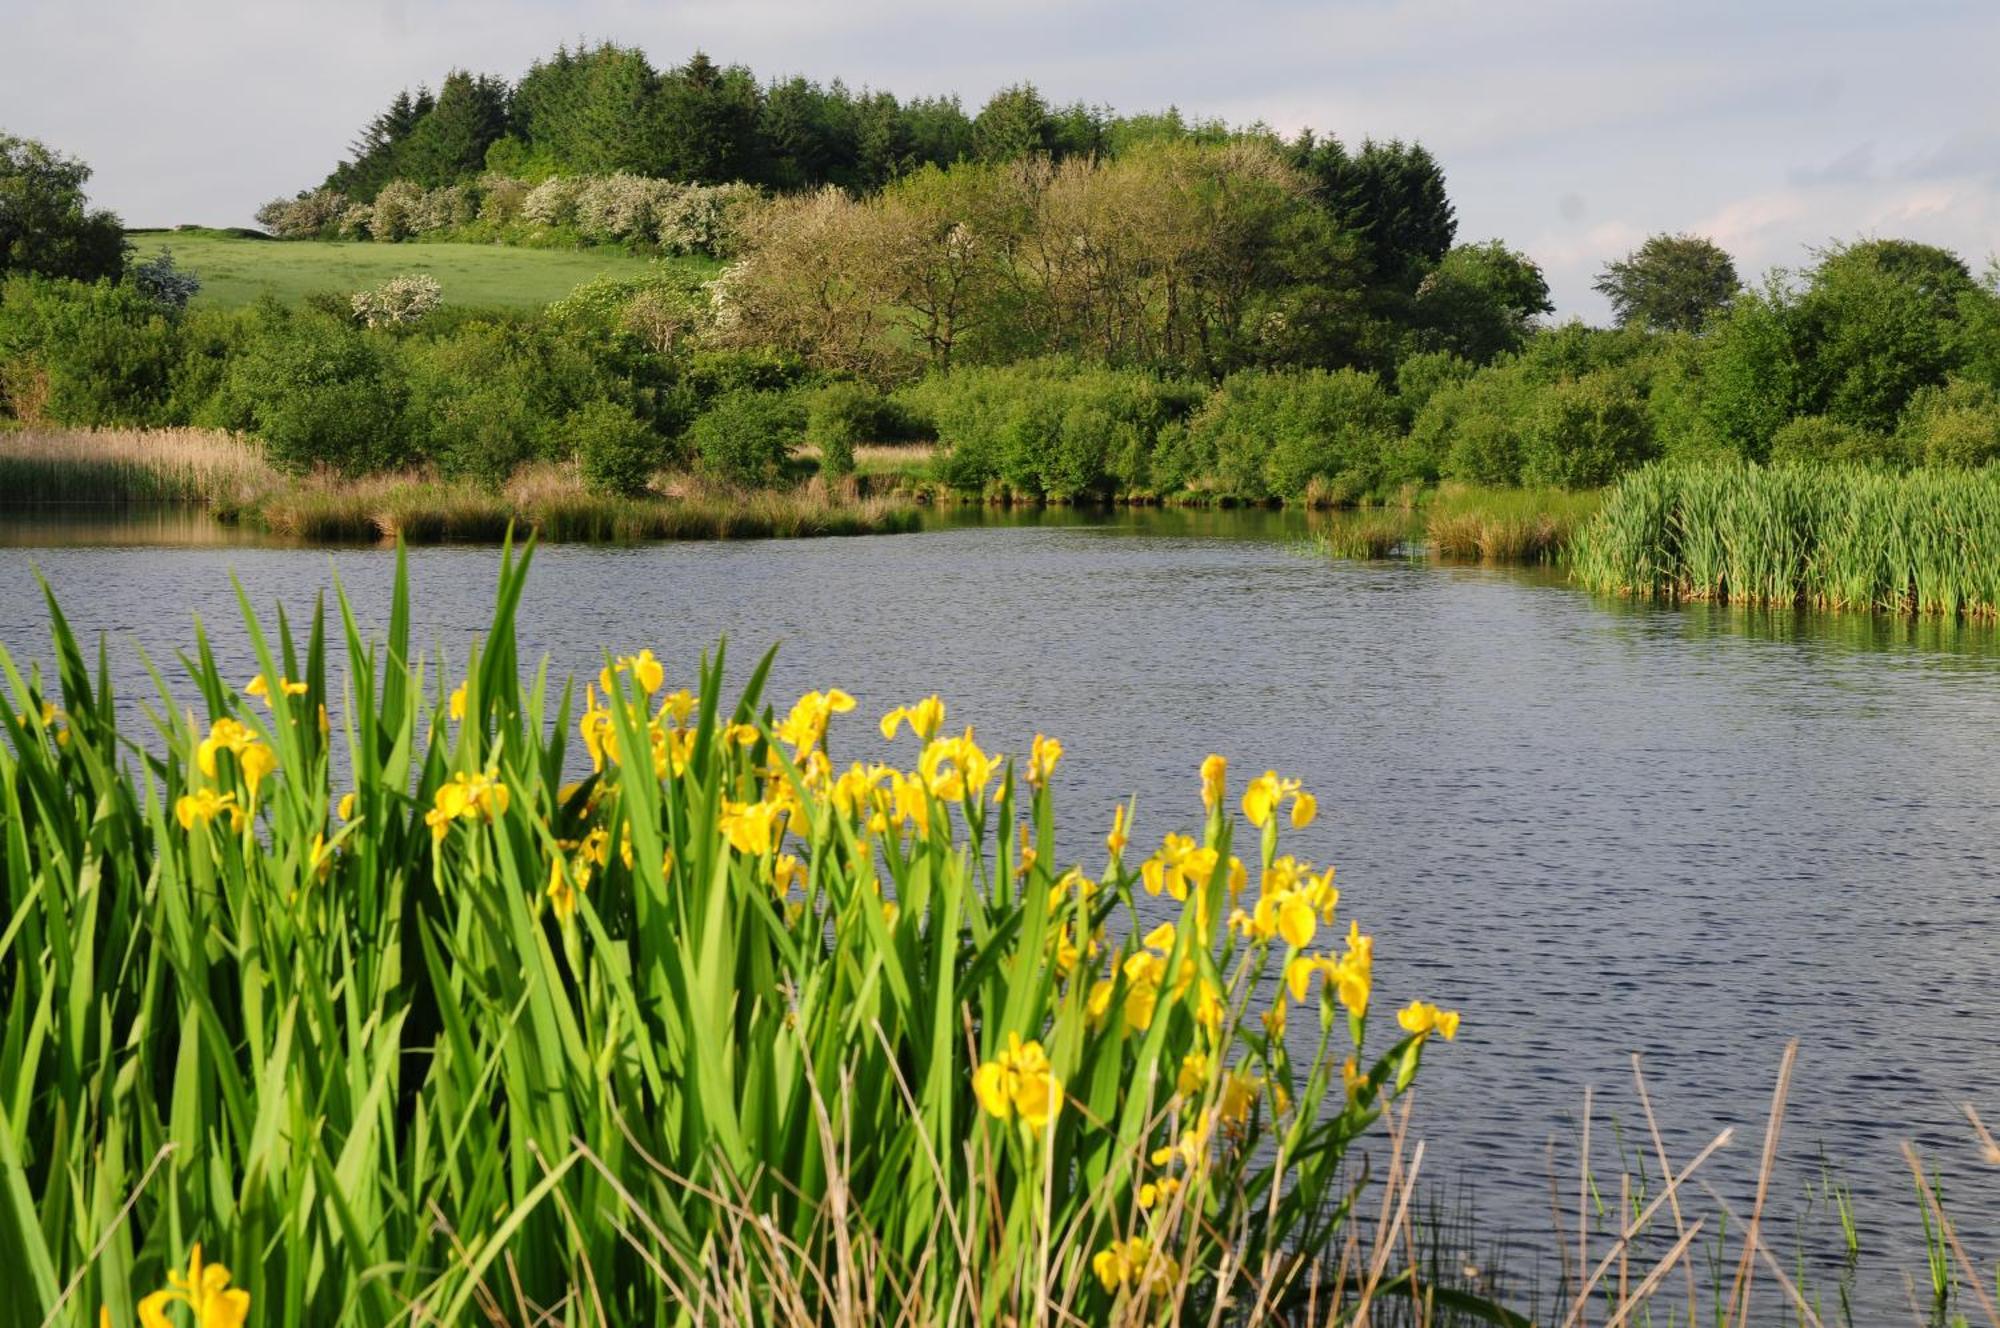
{"x": 229, "y": 477}
{"x": 1922, "y": 543}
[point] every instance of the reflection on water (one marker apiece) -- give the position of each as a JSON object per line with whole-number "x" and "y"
{"x": 1596, "y": 827}
{"x": 86, "y": 525}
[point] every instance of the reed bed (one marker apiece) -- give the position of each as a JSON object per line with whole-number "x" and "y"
{"x": 1464, "y": 523}
{"x": 1489, "y": 525}
{"x": 1366, "y": 535}
{"x": 369, "y": 991}
{"x": 206, "y": 466}
{"x": 228, "y": 475}
{"x": 1925, "y": 542}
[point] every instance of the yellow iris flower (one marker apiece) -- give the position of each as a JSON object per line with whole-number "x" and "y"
{"x": 1135, "y": 1263}
{"x": 647, "y": 671}
{"x": 1043, "y": 754}
{"x": 1264, "y": 793}
{"x": 204, "y": 805}
{"x": 925, "y": 718}
{"x": 1214, "y": 781}
{"x": 258, "y": 688}
{"x": 205, "y": 1290}
{"x": 806, "y": 725}
{"x": 1421, "y": 1018}
{"x": 1020, "y": 1082}
{"x": 752, "y": 828}
{"x": 466, "y": 797}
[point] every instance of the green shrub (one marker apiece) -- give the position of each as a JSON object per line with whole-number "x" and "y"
{"x": 320, "y": 391}
{"x": 1050, "y": 426}
{"x": 1819, "y": 439}
{"x": 1421, "y": 374}
{"x": 1585, "y": 433}
{"x": 1957, "y": 424}
{"x": 85, "y": 353}
{"x": 747, "y": 437}
{"x": 1274, "y": 434}
{"x": 616, "y": 453}
{"x": 717, "y": 373}
{"x": 838, "y": 416}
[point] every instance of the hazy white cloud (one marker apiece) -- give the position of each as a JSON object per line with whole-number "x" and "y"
{"x": 1572, "y": 128}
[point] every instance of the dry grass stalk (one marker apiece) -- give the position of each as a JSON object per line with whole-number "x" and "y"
{"x": 1950, "y": 1232}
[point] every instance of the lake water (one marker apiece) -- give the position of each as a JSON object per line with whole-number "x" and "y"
{"x": 1594, "y": 827}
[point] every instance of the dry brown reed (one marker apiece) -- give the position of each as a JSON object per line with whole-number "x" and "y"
{"x": 49, "y": 465}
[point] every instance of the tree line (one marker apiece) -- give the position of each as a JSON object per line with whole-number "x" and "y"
{"x": 1182, "y": 320}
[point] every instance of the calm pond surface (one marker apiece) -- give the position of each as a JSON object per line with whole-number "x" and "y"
{"x": 1594, "y": 827}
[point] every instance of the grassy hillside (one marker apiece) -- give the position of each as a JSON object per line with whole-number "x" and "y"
{"x": 235, "y": 270}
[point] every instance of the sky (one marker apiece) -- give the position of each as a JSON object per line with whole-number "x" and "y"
{"x": 1572, "y": 129}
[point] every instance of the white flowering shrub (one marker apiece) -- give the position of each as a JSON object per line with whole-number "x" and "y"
{"x": 635, "y": 209}
{"x": 704, "y": 219}
{"x": 356, "y": 222}
{"x": 553, "y": 201}
{"x": 401, "y": 301}
{"x": 396, "y": 210}
{"x": 501, "y": 197}
{"x": 307, "y": 216}
{"x": 618, "y": 207}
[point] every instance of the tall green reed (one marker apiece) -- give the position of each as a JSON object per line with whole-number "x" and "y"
{"x": 1923, "y": 542}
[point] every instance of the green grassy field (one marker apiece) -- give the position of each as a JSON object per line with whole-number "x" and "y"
{"x": 235, "y": 271}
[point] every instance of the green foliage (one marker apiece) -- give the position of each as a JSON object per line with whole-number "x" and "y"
{"x": 1839, "y": 537}
{"x": 1472, "y": 430}
{"x": 1817, "y": 439}
{"x": 1750, "y": 373}
{"x": 1479, "y": 302}
{"x": 321, "y": 392}
{"x": 840, "y": 415}
{"x": 1051, "y": 427}
{"x": 1014, "y": 123}
{"x": 746, "y": 436}
{"x": 1585, "y": 432}
{"x": 713, "y": 373}
{"x": 616, "y": 453}
{"x": 1390, "y": 195}
{"x": 1421, "y": 374}
{"x": 1272, "y": 435}
{"x": 1953, "y": 424}
{"x": 450, "y": 141}
{"x": 46, "y": 226}
{"x": 90, "y": 353}
{"x": 1878, "y": 321}
{"x": 1671, "y": 283}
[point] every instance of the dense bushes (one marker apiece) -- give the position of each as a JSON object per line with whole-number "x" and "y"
{"x": 746, "y": 436}
{"x": 84, "y": 353}
{"x": 843, "y": 415}
{"x": 1286, "y": 435}
{"x": 1880, "y": 355}
{"x": 475, "y": 395}
{"x": 1051, "y": 427}
{"x": 320, "y": 392}
{"x": 654, "y": 215}
{"x": 615, "y": 452}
